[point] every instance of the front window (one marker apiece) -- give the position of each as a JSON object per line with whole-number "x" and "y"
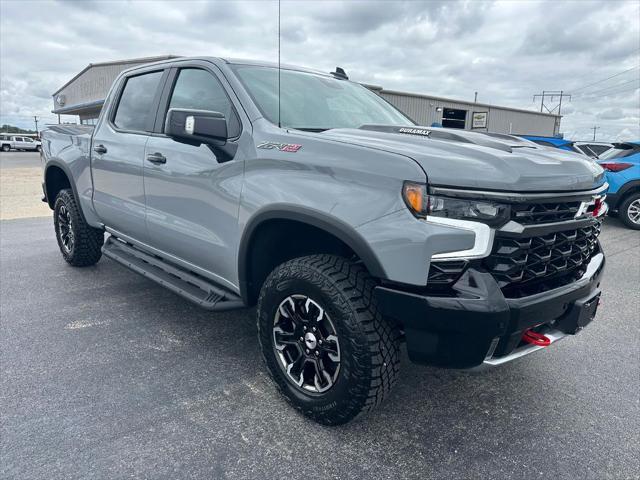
{"x": 197, "y": 89}
{"x": 315, "y": 102}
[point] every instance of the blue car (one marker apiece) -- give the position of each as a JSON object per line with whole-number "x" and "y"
{"x": 622, "y": 166}
{"x": 561, "y": 143}
{"x": 590, "y": 149}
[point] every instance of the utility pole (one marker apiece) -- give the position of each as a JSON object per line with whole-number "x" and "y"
{"x": 594, "y": 128}
{"x": 549, "y": 104}
{"x": 475, "y": 99}
{"x": 35, "y": 119}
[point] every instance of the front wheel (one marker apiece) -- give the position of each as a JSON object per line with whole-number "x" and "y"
{"x": 327, "y": 347}
{"x": 629, "y": 211}
{"x": 80, "y": 244}
{"x": 6, "y": 148}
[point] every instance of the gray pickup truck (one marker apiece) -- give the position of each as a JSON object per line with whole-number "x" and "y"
{"x": 352, "y": 229}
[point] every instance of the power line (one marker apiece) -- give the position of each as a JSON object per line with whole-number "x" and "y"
{"x": 613, "y": 87}
{"x": 599, "y": 69}
{"x": 589, "y": 97}
{"x": 605, "y": 79}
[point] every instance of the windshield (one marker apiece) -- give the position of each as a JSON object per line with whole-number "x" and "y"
{"x": 316, "y": 102}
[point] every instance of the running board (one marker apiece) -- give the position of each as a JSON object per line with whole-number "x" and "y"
{"x": 193, "y": 287}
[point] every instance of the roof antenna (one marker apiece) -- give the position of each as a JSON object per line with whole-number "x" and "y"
{"x": 279, "y": 123}
{"x": 340, "y": 73}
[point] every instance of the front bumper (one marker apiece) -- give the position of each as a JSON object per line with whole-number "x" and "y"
{"x": 478, "y": 325}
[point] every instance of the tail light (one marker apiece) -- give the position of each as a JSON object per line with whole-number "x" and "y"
{"x": 615, "y": 166}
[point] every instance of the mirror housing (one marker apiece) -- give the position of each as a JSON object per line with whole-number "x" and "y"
{"x": 196, "y": 126}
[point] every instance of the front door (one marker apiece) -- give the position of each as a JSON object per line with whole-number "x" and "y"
{"x": 193, "y": 192}
{"x": 28, "y": 143}
{"x": 117, "y": 155}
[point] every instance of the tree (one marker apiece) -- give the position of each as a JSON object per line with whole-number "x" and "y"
{"x": 12, "y": 129}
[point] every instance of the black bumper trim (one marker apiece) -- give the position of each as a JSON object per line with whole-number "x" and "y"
{"x": 457, "y": 331}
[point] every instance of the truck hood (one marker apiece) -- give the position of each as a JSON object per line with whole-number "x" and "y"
{"x": 473, "y": 160}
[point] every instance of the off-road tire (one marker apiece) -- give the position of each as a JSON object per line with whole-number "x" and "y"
{"x": 86, "y": 249}
{"x": 369, "y": 343}
{"x": 623, "y": 210}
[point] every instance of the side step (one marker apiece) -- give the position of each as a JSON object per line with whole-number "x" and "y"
{"x": 188, "y": 285}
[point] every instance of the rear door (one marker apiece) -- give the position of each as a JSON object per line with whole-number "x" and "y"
{"x": 118, "y": 152}
{"x": 18, "y": 143}
{"x": 193, "y": 197}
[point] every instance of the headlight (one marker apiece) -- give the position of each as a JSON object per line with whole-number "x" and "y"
{"x": 423, "y": 205}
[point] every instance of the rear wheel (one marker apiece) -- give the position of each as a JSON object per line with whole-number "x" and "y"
{"x": 6, "y": 148}
{"x": 80, "y": 244}
{"x": 329, "y": 350}
{"x": 629, "y": 211}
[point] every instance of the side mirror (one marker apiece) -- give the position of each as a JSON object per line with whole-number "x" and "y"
{"x": 196, "y": 126}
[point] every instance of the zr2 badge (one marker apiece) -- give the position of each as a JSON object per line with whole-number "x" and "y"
{"x": 283, "y": 147}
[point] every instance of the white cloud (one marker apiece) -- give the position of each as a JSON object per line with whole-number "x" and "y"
{"x": 507, "y": 51}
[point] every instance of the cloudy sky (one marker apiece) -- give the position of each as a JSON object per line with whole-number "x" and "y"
{"x": 505, "y": 50}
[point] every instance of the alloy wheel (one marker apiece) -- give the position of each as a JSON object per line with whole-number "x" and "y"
{"x": 65, "y": 228}
{"x": 633, "y": 211}
{"x": 306, "y": 344}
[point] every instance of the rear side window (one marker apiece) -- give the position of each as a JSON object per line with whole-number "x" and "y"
{"x": 136, "y": 102}
{"x": 199, "y": 90}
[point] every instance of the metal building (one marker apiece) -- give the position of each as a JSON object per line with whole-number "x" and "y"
{"x": 428, "y": 110}
{"x": 84, "y": 95}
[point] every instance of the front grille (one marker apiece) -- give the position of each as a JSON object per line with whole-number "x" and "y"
{"x": 536, "y": 213}
{"x": 530, "y": 264}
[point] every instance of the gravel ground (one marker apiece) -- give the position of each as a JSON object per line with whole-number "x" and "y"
{"x": 106, "y": 375}
{"x": 20, "y": 186}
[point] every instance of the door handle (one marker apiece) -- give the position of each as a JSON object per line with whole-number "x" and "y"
{"x": 100, "y": 149}
{"x": 156, "y": 158}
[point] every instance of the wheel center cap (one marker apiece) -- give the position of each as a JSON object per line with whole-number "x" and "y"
{"x": 310, "y": 340}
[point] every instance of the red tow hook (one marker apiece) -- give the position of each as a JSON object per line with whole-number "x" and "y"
{"x": 536, "y": 338}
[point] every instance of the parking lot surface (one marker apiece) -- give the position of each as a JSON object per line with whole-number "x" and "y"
{"x": 20, "y": 186}
{"x": 106, "y": 375}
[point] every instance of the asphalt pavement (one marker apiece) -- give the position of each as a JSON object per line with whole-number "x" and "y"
{"x": 106, "y": 375}
{"x": 15, "y": 159}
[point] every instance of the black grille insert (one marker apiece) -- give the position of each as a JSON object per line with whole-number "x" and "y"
{"x": 445, "y": 273}
{"x": 531, "y": 264}
{"x": 536, "y": 213}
